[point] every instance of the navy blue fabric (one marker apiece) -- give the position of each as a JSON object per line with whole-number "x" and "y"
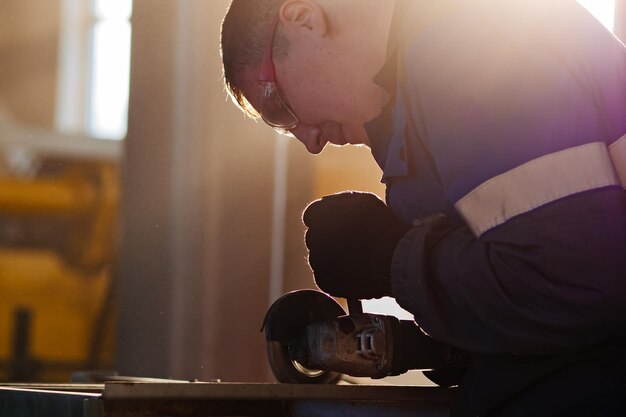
{"x": 592, "y": 384}
{"x": 474, "y": 93}
{"x": 542, "y": 283}
{"x": 501, "y": 92}
{"x": 581, "y": 384}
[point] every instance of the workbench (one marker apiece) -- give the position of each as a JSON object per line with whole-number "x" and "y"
{"x": 203, "y": 399}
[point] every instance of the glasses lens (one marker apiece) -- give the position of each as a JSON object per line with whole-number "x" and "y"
{"x": 284, "y": 132}
{"x": 273, "y": 108}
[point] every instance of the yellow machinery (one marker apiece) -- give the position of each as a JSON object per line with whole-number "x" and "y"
{"x": 57, "y": 251}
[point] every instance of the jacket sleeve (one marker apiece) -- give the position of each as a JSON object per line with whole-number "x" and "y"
{"x": 547, "y": 281}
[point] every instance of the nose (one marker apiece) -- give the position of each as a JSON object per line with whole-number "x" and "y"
{"x": 310, "y": 136}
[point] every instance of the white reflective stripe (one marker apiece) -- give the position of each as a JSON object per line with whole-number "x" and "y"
{"x": 536, "y": 183}
{"x": 618, "y": 154}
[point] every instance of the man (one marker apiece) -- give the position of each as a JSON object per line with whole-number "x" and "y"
{"x": 500, "y": 128}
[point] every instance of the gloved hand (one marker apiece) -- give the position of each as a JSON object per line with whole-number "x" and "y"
{"x": 351, "y": 238}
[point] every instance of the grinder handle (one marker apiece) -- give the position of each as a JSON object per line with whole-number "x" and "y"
{"x": 354, "y": 306}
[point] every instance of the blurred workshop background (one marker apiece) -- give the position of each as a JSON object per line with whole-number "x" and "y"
{"x": 145, "y": 224}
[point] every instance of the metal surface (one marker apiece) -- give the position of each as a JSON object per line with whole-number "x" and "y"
{"x": 44, "y": 402}
{"x": 189, "y": 399}
{"x": 53, "y": 387}
{"x": 230, "y": 399}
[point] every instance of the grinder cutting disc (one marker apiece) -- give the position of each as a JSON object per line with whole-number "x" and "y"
{"x": 284, "y": 324}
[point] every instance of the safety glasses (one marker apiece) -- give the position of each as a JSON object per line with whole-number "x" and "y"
{"x": 273, "y": 108}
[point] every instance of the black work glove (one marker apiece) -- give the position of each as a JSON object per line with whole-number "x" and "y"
{"x": 351, "y": 238}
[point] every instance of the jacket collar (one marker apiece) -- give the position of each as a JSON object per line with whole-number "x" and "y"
{"x": 385, "y": 143}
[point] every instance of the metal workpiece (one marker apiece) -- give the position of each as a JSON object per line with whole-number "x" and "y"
{"x": 282, "y": 392}
{"x": 49, "y": 400}
{"x": 235, "y": 399}
{"x": 204, "y": 399}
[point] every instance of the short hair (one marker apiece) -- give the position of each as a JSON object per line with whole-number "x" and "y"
{"x": 245, "y": 31}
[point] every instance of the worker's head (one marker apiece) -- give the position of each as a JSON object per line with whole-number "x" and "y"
{"x": 306, "y": 66}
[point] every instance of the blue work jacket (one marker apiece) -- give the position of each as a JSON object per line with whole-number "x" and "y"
{"x": 510, "y": 118}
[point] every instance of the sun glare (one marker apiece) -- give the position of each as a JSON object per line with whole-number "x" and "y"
{"x": 603, "y": 10}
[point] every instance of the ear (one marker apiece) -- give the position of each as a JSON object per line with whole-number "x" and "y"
{"x": 303, "y": 18}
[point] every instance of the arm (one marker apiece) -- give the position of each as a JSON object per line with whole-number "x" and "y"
{"x": 544, "y": 282}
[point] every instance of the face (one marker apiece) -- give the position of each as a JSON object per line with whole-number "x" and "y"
{"x": 327, "y": 83}
{"x": 331, "y": 106}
